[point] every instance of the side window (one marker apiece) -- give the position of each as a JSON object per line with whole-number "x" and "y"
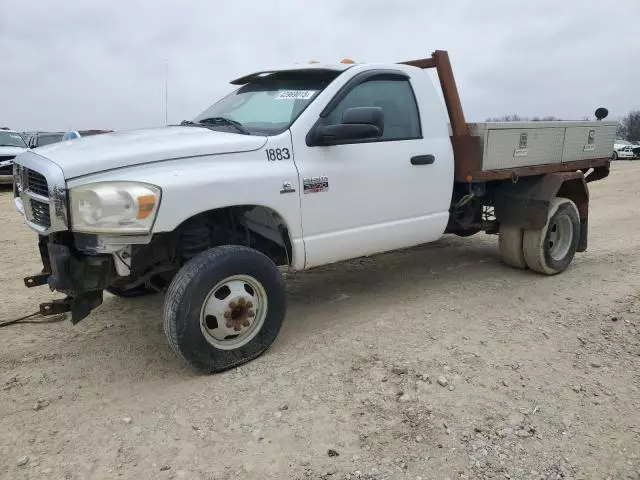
{"x": 394, "y": 96}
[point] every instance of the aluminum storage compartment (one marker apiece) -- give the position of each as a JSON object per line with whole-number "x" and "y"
{"x": 520, "y": 144}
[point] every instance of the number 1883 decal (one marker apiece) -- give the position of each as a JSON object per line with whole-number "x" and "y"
{"x": 274, "y": 154}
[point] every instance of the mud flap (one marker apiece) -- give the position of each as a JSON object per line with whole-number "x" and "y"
{"x": 584, "y": 233}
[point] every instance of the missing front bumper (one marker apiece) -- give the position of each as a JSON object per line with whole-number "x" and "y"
{"x": 82, "y": 278}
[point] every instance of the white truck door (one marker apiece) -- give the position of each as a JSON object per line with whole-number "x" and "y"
{"x": 363, "y": 197}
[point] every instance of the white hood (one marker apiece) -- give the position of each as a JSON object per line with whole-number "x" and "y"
{"x": 96, "y": 153}
{"x": 11, "y": 151}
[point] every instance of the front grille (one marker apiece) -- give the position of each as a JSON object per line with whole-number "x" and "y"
{"x": 40, "y": 213}
{"x": 37, "y": 183}
{"x": 40, "y": 193}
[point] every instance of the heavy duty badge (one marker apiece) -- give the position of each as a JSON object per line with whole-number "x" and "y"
{"x": 287, "y": 188}
{"x": 315, "y": 184}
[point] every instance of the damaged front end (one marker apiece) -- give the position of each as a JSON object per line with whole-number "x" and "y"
{"x": 83, "y": 264}
{"x": 67, "y": 270}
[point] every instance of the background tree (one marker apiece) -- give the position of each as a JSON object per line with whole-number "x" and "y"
{"x": 514, "y": 117}
{"x": 629, "y": 127}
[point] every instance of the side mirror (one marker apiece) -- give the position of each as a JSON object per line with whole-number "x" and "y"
{"x": 358, "y": 123}
{"x": 365, "y": 116}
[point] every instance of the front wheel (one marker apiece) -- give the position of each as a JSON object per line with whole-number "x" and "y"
{"x": 551, "y": 249}
{"x": 224, "y": 308}
{"x": 614, "y": 155}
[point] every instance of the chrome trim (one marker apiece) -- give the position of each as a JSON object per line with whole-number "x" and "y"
{"x": 17, "y": 203}
{"x": 36, "y": 196}
{"x": 56, "y": 184}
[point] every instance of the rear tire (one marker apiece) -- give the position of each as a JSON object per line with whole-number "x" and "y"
{"x": 551, "y": 249}
{"x": 224, "y": 308}
{"x": 510, "y": 245}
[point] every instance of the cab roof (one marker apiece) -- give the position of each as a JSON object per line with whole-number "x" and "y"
{"x": 329, "y": 67}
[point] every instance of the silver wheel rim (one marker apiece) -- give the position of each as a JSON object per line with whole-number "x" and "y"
{"x": 560, "y": 237}
{"x": 233, "y": 312}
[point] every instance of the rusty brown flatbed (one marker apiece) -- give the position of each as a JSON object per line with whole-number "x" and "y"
{"x": 468, "y": 148}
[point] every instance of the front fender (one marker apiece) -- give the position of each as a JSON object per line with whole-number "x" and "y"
{"x": 194, "y": 185}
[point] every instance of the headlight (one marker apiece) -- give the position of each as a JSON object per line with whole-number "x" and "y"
{"x": 114, "y": 207}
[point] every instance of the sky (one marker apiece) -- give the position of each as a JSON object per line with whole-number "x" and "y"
{"x": 75, "y": 64}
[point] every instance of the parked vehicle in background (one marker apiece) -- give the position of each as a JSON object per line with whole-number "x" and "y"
{"x": 622, "y": 150}
{"x": 72, "y": 134}
{"x": 301, "y": 166}
{"x": 11, "y": 145}
{"x": 40, "y": 139}
{"x": 636, "y": 149}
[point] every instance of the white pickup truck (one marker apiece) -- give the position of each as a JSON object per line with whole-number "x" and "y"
{"x": 299, "y": 167}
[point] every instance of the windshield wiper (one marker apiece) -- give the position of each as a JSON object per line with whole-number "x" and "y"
{"x": 226, "y": 121}
{"x": 9, "y": 145}
{"x": 219, "y": 121}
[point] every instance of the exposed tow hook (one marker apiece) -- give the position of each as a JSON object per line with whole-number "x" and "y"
{"x": 239, "y": 313}
{"x": 36, "y": 280}
{"x": 80, "y": 304}
{"x": 56, "y": 307}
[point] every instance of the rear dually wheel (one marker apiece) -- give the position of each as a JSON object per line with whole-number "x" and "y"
{"x": 551, "y": 249}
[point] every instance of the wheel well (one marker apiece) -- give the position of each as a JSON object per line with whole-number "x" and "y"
{"x": 254, "y": 226}
{"x": 525, "y": 204}
{"x": 153, "y": 265}
{"x": 576, "y": 191}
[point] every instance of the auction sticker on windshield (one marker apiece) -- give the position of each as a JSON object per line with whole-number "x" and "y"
{"x": 295, "y": 94}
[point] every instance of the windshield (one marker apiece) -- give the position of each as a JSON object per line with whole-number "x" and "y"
{"x": 622, "y": 142}
{"x": 269, "y": 105}
{"x": 11, "y": 139}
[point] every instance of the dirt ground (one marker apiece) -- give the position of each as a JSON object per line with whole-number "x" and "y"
{"x": 541, "y": 374}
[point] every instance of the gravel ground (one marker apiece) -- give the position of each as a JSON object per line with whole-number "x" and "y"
{"x": 436, "y": 362}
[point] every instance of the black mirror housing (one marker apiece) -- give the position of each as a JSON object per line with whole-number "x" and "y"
{"x": 344, "y": 132}
{"x": 358, "y": 124}
{"x": 364, "y": 115}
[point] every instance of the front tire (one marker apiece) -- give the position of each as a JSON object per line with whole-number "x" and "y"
{"x": 614, "y": 156}
{"x": 224, "y": 308}
{"x": 551, "y": 249}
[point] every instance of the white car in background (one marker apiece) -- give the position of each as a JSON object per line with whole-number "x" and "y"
{"x": 11, "y": 144}
{"x": 622, "y": 149}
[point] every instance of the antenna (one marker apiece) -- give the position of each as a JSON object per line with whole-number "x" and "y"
{"x": 166, "y": 91}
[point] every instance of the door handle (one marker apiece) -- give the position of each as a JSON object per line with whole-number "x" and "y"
{"x": 423, "y": 160}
